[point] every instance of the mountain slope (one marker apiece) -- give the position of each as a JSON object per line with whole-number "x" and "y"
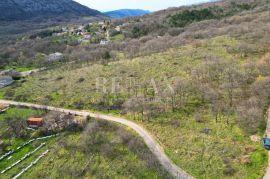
{"x": 122, "y": 13}
{"x": 26, "y": 9}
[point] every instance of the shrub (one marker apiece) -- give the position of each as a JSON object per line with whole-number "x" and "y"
{"x": 175, "y": 31}
{"x": 229, "y": 171}
{"x": 139, "y": 31}
{"x": 81, "y": 80}
{"x": 59, "y": 78}
{"x": 106, "y": 55}
{"x": 114, "y": 33}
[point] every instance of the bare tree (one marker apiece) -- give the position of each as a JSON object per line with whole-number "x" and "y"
{"x": 17, "y": 126}
{"x": 250, "y": 114}
{"x": 135, "y": 105}
{"x": 231, "y": 82}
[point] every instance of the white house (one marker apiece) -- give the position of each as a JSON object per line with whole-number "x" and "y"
{"x": 104, "y": 42}
{"x": 55, "y": 56}
{"x": 101, "y": 23}
{"x": 118, "y": 28}
{"x": 87, "y": 37}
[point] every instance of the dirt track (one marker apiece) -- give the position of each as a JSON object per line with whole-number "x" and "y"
{"x": 149, "y": 140}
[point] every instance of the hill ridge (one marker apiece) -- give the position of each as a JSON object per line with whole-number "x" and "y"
{"x": 27, "y": 9}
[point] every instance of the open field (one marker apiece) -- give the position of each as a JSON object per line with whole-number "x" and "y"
{"x": 219, "y": 154}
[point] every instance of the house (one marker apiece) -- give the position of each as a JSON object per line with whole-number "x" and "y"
{"x": 64, "y": 29}
{"x": 104, "y": 42}
{"x": 118, "y": 28}
{"x": 79, "y": 33}
{"x": 104, "y": 28}
{"x": 35, "y": 122}
{"x": 6, "y": 81}
{"x": 101, "y": 23}
{"x": 81, "y": 28}
{"x": 55, "y": 57}
{"x": 87, "y": 37}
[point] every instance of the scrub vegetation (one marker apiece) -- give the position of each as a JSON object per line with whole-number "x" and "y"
{"x": 197, "y": 78}
{"x": 99, "y": 150}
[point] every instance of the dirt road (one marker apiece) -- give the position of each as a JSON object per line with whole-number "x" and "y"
{"x": 149, "y": 140}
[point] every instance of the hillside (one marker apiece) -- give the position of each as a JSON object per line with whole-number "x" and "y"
{"x": 123, "y": 13}
{"x": 27, "y": 9}
{"x": 100, "y": 150}
{"x": 196, "y": 77}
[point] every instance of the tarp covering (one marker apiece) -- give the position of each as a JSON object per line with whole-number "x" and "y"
{"x": 5, "y": 81}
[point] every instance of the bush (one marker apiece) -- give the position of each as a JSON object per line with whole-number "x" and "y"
{"x": 175, "y": 31}
{"x": 139, "y": 31}
{"x": 45, "y": 33}
{"x": 114, "y": 33}
{"x": 229, "y": 171}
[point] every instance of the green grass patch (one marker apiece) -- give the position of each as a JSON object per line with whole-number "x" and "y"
{"x": 19, "y": 69}
{"x": 118, "y": 37}
{"x": 208, "y": 155}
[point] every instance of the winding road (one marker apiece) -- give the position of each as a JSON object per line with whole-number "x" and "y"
{"x": 155, "y": 148}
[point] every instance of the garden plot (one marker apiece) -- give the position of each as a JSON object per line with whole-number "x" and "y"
{"x": 31, "y": 165}
{"x": 9, "y": 153}
{"x": 27, "y": 154}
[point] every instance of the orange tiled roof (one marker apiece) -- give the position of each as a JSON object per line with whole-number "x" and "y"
{"x": 33, "y": 119}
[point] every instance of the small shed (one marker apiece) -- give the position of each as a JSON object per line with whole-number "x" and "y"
{"x": 35, "y": 122}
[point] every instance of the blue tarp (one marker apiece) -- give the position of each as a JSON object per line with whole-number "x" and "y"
{"x": 266, "y": 143}
{"x": 5, "y": 81}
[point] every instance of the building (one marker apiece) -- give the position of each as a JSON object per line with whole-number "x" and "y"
{"x": 87, "y": 37}
{"x": 55, "y": 57}
{"x": 104, "y": 42}
{"x": 35, "y": 122}
{"x": 118, "y": 28}
{"x": 101, "y": 23}
{"x": 64, "y": 29}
